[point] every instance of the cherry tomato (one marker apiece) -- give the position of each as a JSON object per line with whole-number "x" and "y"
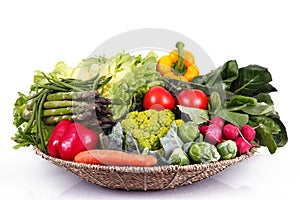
{"x": 158, "y": 98}
{"x": 193, "y": 98}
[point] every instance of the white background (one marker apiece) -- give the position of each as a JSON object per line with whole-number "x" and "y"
{"x": 37, "y": 34}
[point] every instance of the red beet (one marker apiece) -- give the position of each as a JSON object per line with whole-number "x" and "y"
{"x": 231, "y": 132}
{"x": 213, "y": 134}
{"x": 243, "y": 146}
{"x": 248, "y": 132}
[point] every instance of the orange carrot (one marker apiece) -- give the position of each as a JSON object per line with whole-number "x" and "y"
{"x": 88, "y": 157}
{"x": 114, "y": 157}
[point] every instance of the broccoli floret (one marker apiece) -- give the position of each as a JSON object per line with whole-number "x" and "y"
{"x": 148, "y": 126}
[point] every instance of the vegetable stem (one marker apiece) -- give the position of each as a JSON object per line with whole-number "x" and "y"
{"x": 59, "y": 96}
{"x": 39, "y": 122}
{"x": 62, "y": 104}
{"x": 55, "y": 119}
{"x": 179, "y": 67}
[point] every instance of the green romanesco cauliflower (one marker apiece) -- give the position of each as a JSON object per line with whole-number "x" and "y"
{"x": 148, "y": 126}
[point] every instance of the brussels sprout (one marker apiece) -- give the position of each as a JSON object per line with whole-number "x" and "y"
{"x": 179, "y": 157}
{"x": 186, "y": 146}
{"x": 188, "y": 132}
{"x": 203, "y": 152}
{"x": 227, "y": 149}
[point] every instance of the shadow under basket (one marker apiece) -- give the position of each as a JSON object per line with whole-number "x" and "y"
{"x": 143, "y": 178}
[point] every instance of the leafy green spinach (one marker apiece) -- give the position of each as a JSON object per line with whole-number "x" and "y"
{"x": 252, "y": 80}
{"x": 245, "y": 99}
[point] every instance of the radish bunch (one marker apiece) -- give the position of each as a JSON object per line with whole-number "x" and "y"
{"x": 217, "y": 131}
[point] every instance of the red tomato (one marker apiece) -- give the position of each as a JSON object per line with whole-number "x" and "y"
{"x": 158, "y": 98}
{"x": 193, "y": 98}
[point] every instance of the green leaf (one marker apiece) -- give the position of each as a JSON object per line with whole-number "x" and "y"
{"x": 179, "y": 157}
{"x": 19, "y": 109}
{"x": 113, "y": 141}
{"x": 239, "y": 100}
{"x": 258, "y": 109}
{"x": 198, "y": 116}
{"x": 128, "y": 89}
{"x": 252, "y": 80}
{"x": 172, "y": 145}
{"x": 215, "y": 102}
{"x": 265, "y": 132}
{"x": 264, "y": 97}
{"x": 280, "y": 137}
{"x": 223, "y": 76}
{"x": 171, "y": 141}
{"x": 229, "y": 71}
{"x": 159, "y": 154}
{"x": 61, "y": 70}
{"x": 235, "y": 118}
{"x": 131, "y": 145}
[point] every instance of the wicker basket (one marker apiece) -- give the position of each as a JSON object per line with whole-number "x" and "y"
{"x": 143, "y": 178}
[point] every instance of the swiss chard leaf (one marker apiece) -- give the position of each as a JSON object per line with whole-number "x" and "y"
{"x": 252, "y": 80}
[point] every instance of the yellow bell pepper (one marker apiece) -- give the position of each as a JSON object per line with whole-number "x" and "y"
{"x": 179, "y": 64}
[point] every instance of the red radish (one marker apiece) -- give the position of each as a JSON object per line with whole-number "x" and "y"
{"x": 213, "y": 134}
{"x": 242, "y": 145}
{"x": 231, "y": 132}
{"x": 248, "y": 132}
{"x": 203, "y": 129}
{"x": 217, "y": 121}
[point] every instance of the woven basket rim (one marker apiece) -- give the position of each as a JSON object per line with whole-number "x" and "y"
{"x": 133, "y": 169}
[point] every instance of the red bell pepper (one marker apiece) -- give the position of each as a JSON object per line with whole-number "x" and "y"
{"x": 59, "y": 130}
{"x": 78, "y": 138}
{"x": 68, "y": 139}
